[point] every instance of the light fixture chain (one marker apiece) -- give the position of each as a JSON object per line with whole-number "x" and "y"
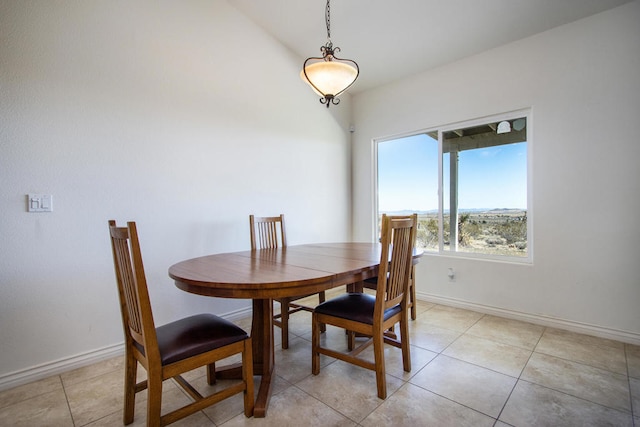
{"x": 328, "y": 75}
{"x": 327, "y": 17}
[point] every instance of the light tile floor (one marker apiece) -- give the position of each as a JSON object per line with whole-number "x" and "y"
{"x": 468, "y": 369}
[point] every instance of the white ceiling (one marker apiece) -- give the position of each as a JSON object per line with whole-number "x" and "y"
{"x": 391, "y": 39}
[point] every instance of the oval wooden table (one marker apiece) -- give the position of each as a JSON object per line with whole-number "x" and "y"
{"x": 265, "y": 274}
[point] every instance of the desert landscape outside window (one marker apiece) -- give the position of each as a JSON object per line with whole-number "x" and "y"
{"x": 468, "y": 183}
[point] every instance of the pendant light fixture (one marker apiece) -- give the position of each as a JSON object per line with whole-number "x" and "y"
{"x": 329, "y": 76}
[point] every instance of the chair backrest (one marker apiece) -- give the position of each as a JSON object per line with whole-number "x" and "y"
{"x": 267, "y": 232}
{"x": 398, "y": 240}
{"x": 137, "y": 317}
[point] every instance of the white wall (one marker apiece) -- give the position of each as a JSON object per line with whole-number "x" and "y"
{"x": 582, "y": 82}
{"x": 183, "y": 116}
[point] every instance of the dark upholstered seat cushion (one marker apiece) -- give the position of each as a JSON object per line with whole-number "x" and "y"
{"x": 195, "y": 335}
{"x": 354, "y": 306}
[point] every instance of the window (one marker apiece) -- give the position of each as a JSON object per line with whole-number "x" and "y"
{"x": 408, "y": 182}
{"x": 468, "y": 183}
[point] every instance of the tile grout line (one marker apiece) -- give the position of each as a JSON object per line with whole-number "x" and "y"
{"x": 519, "y": 378}
{"x": 66, "y": 398}
{"x": 626, "y": 359}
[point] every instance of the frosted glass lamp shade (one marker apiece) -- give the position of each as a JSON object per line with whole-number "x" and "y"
{"x": 329, "y": 78}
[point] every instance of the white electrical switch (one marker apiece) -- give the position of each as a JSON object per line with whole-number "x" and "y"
{"x": 39, "y": 202}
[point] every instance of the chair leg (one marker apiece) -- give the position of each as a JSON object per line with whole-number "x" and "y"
{"x": 321, "y": 299}
{"x": 131, "y": 370}
{"x": 247, "y": 377}
{"x": 406, "y": 352}
{"x": 284, "y": 321}
{"x": 351, "y": 340}
{"x": 154, "y": 400}
{"x": 211, "y": 373}
{"x": 378, "y": 354}
{"x": 412, "y": 293}
{"x": 315, "y": 343}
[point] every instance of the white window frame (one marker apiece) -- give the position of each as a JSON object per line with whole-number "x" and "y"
{"x": 527, "y": 114}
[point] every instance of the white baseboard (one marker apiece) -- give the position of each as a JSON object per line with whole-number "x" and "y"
{"x": 569, "y": 325}
{"x": 57, "y": 367}
{"x": 60, "y": 366}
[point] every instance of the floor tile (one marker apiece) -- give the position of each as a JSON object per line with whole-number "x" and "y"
{"x": 334, "y": 338}
{"x": 413, "y": 406}
{"x": 299, "y": 324}
{"x": 453, "y": 318}
{"x": 226, "y": 409}
{"x": 503, "y": 358}
{"x": 94, "y": 370}
{"x": 46, "y": 410}
{"x": 95, "y": 398}
{"x": 278, "y": 386}
{"x": 244, "y": 323}
{"x": 430, "y": 337}
{"x": 348, "y": 389}
{"x": 221, "y": 411}
{"x": 508, "y": 331}
{"x": 534, "y": 405}
{"x": 26, "y": 391}
{"x": 596, "y": 385}
{"x": 592, "y": 351}
{"x": 393, "y": 359}
{"x": 172, "y": 399}
{"x": 633, "y": 359}
{"x": 293, "y": 407}
{"x": 422, "y": 306}
{"x": 296, "y": 359}
{"x": 478, "y": 388}
{"x": 583, "y": 339}
{"x": 634, "y": 385}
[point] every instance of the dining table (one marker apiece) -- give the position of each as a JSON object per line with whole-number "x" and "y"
{"x": 264, "y": 274}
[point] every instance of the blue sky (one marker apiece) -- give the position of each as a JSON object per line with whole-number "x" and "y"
{"x": 494, "y": 177}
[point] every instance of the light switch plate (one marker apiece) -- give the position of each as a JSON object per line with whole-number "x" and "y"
{"x": 39, "y": 202}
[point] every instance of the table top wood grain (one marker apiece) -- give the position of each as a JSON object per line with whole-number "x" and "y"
{"x": 272, "y": 273}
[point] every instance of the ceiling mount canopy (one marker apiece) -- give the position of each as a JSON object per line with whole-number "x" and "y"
{"x": 328, "y": 75}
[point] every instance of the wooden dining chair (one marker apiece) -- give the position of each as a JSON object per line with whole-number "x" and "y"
{"x": 372, "y": 283}
{"x": 269, "y": 233}
{"x": 372, "y": 315}
{"x": 172, "y": 349}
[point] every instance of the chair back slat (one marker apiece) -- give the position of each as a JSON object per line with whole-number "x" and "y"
{"x": 267, "y": 232}
{"x": 398, "y": 240}
{"x": 128, "y": 286}
{"x": 137, "y": 317}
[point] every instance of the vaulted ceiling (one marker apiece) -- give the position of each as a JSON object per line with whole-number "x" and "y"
{"x": 395, "y": 39}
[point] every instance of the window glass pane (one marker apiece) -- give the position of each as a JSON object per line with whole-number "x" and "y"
{"x": 485, "y": 189}
{"x": 408, "y": 183}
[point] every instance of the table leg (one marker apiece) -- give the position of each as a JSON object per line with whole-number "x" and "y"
{"x": 263, "y": 355}
{"x": 263, "y": 352}
{"x": 356, "y": 287}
